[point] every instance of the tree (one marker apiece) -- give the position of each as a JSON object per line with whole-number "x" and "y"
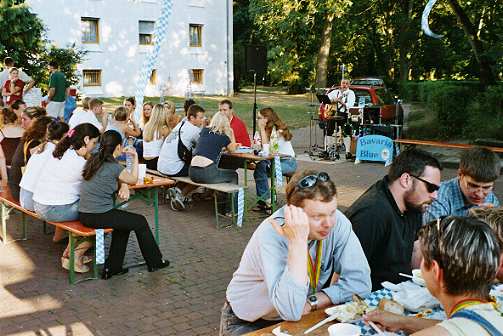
{"x": 67, "y": 59}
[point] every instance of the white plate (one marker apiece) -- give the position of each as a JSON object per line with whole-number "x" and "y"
{"x": 346, "y": 312}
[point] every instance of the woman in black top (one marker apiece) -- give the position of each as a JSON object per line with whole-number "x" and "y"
{"x": 33, "y": 137}
{"x": 102, "y": 173}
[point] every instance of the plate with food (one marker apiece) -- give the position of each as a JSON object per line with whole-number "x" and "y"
{"x": 350, "y": 311}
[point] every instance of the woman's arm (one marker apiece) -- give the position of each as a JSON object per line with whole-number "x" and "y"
{"x": 135, "y": 131}
{"x": 4, "y": 91}
{"x": 130, "y": 177}
{"x": 263, "y": 134}
{"x": 232, "y": 147}
{"x": 14, "y": 88}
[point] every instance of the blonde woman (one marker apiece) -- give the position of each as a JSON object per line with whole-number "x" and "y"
{"x": 146, "y": 114}
{"x": 172, "y": 119}
{"x": 154, "y": 133}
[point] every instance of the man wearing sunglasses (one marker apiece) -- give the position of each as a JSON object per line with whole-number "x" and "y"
{"x": 388, "y": 216}
{"x": 478, "y": 170}
{"x": 302, "y": 258}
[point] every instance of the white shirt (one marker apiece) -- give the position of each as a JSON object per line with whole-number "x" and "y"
{"x": 151, "y": 149}
{"x": 169, "y": 163}
{"x": 59, "y": 180}
{"x": 82, "y": 117}
{"x": 4, "y": 76}
{"x": 285, "y": 147}
{"x": 35, "y": 166}
{"x": 348, "y": 97}
{"x": 459, "y": 326}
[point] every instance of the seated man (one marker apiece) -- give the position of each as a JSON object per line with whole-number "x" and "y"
{"x": 88, "y": 115}
{"x": 237, "y": 125}
{"x": 478, "y": 169}
{"x": 272, "y": 281}
{"x": 170, "y": 163}
{"x": 387, "y": 217}
{"x": 459, "y": 278}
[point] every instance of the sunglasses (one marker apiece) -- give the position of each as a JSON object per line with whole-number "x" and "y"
{"x": 431, "y": 187}
{"x": 310, "y": 180}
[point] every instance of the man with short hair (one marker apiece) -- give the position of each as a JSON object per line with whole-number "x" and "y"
{"x": 388, "y": 216}
{"x": 88, "y": 116}
{"x": 58, "y": 88}
{"x": 8, "y": 63}
{"x": 478, "y": 170}
{"x": 237, "y": 125}
{"x": 170, "y": 163}
{"x": 302, "y": 258}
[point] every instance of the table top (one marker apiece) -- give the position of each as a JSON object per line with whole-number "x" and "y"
{"x": 252, "y": 156}
{"x": 298, "y": 328}
{"x": 156, "y": 182}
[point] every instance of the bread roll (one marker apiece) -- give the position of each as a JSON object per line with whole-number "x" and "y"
{"x": 391, "y": 306}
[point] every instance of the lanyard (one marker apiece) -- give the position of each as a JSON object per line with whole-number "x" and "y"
{"x": 314, "y": 268}
{"x": 464, "y": 304}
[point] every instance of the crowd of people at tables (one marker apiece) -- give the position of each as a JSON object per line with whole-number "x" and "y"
{"x": 451, "y": 230}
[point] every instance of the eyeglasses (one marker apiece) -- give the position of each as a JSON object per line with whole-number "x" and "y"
{"x": 310, "y": 180}
{"x": 431, "y": 187}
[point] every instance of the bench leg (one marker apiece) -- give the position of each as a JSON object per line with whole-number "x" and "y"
{"x": 156, "y": 213}
{"x": 23, "y": 221}
{"x": 234, "y": 210}
{"x": 216, "y": 208}
{"x": 71, "y": 272}
{"x": 5, "y": 216}
{"x": 4, "y": 223}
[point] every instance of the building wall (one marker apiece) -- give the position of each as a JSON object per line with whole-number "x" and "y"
{"x": 119, "y": 55}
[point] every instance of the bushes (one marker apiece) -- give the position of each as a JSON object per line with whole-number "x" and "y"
{"x": 461, "y": 110}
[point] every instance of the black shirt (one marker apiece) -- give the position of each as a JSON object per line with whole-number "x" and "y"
{"x": 210, "y": 144}
{"x": 386, "y": 235}
{"x": 18, "y": 161}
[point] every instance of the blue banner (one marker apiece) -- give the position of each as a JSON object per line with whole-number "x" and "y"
{"x": 374, "y": 148}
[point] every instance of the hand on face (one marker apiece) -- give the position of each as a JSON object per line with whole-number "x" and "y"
{"x": 262, "y": 122}
{"x": 296, "y": 227}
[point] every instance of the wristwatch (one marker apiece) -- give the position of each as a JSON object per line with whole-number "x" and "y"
{"x": 313, "y": 301}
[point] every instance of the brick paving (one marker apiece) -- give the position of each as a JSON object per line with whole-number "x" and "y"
{"x": 184, "y": 299}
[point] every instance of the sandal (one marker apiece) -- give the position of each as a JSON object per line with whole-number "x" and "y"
{"x": 65, "y": 263}
{"x": 262, "y": 207}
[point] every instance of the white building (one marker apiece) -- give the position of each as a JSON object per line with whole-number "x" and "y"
{"x": 118, "y": 34}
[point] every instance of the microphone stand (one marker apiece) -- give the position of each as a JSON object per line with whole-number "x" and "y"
{"x": 254, "y": 116}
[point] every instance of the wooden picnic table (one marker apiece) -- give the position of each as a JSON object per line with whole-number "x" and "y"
{"x": 413, "y": 142}
{"x": 298, "y": 328}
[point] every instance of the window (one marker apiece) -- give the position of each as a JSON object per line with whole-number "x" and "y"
{"x": 195, "y": 35}
{"x": 153, "y": 77}
{"x": 92, "y": 77}
{"x": 146, "y": 29}
{"x": 90, "y": 30}
{"x": 197, "y": 76}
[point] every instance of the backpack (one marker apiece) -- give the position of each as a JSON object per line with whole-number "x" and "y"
{"x": 184, "y": 153}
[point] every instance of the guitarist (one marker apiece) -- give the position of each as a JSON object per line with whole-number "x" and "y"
{"x": 343, "y": 98}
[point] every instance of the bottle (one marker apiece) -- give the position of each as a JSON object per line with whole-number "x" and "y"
{"x": 129, "y": 156}
{"x": 274, "y": 145}
{"x": 257, "y": 141}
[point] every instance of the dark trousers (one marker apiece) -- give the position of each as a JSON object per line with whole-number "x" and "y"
{"x": 152, "y": 163}
{"x": 123, "y": 223}
{"x": 231, "y": 325}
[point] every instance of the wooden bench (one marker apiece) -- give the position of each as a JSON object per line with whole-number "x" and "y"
{"x": 412, "y": 142}
{"x": 77, "y": 232}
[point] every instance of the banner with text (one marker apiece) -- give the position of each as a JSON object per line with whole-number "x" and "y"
{"x": 374, "y": 148}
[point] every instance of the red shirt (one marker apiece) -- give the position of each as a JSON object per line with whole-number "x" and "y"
{"x": 240, "y": 131}
{"x": 19, "y": 95}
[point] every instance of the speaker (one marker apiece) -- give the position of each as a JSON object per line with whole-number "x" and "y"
{"x": 256, "y": 60}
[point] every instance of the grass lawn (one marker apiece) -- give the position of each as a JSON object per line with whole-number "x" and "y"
{"x": 293, "y": 109}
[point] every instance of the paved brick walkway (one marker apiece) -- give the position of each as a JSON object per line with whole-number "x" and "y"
{"x": 184, "y": 299}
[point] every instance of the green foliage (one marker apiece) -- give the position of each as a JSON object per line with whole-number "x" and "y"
{"x": 67, "y": 59}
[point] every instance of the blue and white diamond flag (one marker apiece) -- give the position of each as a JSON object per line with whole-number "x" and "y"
{"x": 241, "y": 207}
{"x": 277, "y": 171}
{"x": 100, "y": 246}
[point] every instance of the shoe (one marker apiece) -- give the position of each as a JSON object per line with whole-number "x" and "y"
{"x": 107, "y": 274}
{"x": 65, "y": 263}
{"x": 163, "y": 264}
{"x": 262, "y": 206}
{"x": 177, "y": 200}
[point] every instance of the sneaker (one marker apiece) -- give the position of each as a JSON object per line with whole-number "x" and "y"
{"x": 177, "y": 200}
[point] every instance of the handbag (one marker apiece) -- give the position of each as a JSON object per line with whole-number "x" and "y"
{"x": 184, "y": 153}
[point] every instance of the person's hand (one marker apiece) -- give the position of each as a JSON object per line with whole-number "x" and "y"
{"x": 296, "y": 227}
{"x": 130, "y": 150}
{"x": 307, "y": 308}
{"x": 124, "y": 192}
{"x": 487, "y": 205}
{"x": 262, "y": 122}
{"x": 387, "y": 320}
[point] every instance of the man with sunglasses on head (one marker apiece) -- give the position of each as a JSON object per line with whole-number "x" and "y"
{"x": 388, "y": 216}
{"x": 478, "y": 170}
{"x": 302, "y": 258}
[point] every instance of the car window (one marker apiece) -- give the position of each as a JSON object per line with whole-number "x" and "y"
{"x": 363, "y": 96}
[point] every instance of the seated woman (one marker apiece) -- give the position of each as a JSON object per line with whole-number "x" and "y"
{"x": 102, "y": 174}
{"x": 55, "y": 131}
{"x": 154, "y": 133}
{"x": 172, "y": 119}
{"x": 31, "y": 138}
{"x": 267, "y": 120}
{"x": 10, "y": 133}
{"x": 212, "y": 140}
{"x": 57, "y": 192}
{"x": 460, "y": 259}
{"x": 146, "y": 113}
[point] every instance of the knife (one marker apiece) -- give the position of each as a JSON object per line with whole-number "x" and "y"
{"x": 319, "y": 324}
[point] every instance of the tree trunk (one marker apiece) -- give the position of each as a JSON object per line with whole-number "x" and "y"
{"x": 486, "y": 74}
{"x": 324, "y": 52}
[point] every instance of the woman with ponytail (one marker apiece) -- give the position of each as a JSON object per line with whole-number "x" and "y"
{"x": 57, "y": 192}
{"x": 101, "y": 176}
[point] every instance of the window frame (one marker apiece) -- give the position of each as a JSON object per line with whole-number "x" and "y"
{"x": 98, "y": 71}
{"x": 151, "y": 34}
{"x": 199, "y": 30}
{"x": 200, "y": 80}
{"x": 90, "y": 19}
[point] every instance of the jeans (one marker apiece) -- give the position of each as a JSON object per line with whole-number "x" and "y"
{"x": 123, "y": 223}
{"x": 231, "y": 325}
{"x": 212, "y": 174}
{"x": 26, "y": 199}
{"x": 57, "y": 213}
{"x": 262, "y": 171}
